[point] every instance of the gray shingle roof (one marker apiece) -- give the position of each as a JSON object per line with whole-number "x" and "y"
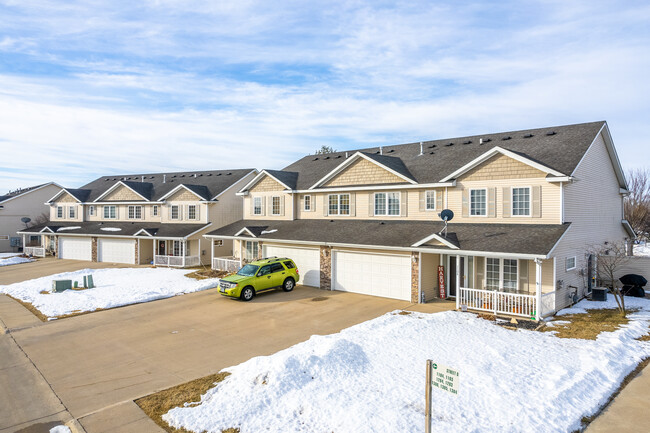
{"x": 126, "y": 228}
{"x": 18, "y": 192}
{"x": 288, "y": 178}
{"x": 559, "y": 147}
{"x": 537, "y": 239}
{"x": 208, "y": 184}
{"x": 79, "y": 194}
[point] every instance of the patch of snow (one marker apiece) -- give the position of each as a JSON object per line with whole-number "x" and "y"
{"x": 14, "y": 261}
{"x": 115, "y": 287}
{"x": 371, "y": 378}
{"x": 5, "y": 255}
{"x": 62, "y": 229}
{"x": 111, "y": 229}
{"x": 584, "y": 305}
{"x": 60, "y": 429}
{"x": 266, "y": 232}
{"x": 642, "y": 249}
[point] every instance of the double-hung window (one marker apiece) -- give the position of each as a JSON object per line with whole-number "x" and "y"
{"x": 91, "y": 210}
{"x": 521, "y": 201}
{"x": 307, "y": 203}
{"x": 387, "y": 203}
{"x": 570, "y": 263}
{"x": 135, "y": 212}
{"x": 430, "y": 200}
{"x": 110, "y": 212}
{"x": 339, "y": 204}
{"x": 175, "y": 212}
{"x": 478, "y": 202}
{"x": 501, "y": 274}
{"x": 257, "y": 205}
{"x": 59, "y": 211}
{"x": 510, "y": 275}
{"x": 492, "y": 273}
{"x": 251, "y": 250}
{"x": 191, "y": 212}
{"x": 275, "y": 205}
{"x": 72, "y": 211}
{"x": 154, "y": 211}
{"x": 177, "y": 248}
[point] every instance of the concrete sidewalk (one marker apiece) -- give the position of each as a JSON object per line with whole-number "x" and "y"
{"x": 629, "y": 411}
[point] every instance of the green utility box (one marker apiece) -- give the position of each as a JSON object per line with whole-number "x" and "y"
{"x": 61, "y": 285}
{"x": 88, "y": 281}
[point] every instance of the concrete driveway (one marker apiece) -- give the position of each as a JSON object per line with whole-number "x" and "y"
{"x": 98, "y": 363}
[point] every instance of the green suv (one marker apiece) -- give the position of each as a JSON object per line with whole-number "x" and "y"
{"x": 259, "y": 276}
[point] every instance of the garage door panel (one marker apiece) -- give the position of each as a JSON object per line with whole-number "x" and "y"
{"x": 75, "y": 248}
{"x": 116, "y": 251}
{"x": 382, "y": 275}
{"x": 307, "y": 260}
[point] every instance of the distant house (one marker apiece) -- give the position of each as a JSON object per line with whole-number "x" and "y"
{"x": 19, "y": 204}
{"x": 143, "y": 218}
{"x": 527, "y": 205}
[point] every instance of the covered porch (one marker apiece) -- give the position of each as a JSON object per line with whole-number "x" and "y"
{"x": 34, "y": 245}
{"x": 176, "y": 253}
{"x": 231, "y": 259}
{"x": 499, "y": 284}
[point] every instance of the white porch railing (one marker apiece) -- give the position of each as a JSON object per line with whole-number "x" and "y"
{"x": 34, "y": 251}
{"x": 224, "y": 264}
{"x": 176, "y": 261}
{"x": 496, "y": 302}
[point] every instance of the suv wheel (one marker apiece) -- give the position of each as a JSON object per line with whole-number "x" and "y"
{"x": 247, "y": 294}
{"x": 288, "y": 285}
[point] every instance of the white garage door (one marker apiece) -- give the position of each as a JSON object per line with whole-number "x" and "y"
{"x": 74, "y": 248}
{"x": 307, "y": 260}
{"x": 384, "y": 275}
{"x": 116, "y": 251}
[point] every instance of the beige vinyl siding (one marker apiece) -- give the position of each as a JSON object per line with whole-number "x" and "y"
{"x": 593, "y": 206}
{"x": 364, "y": 172}
{"x": 429, "y": 276}
{"x": 267, "y": 184}
{"x": 123, "y": 213}
{"x": 122, "y": 193}
{"x": 286, "y": 205}
{"x": 183, "y": 195}
{"x": 229, "y": 206}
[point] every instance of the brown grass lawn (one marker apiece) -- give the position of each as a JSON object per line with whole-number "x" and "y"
{"x": 158, "y": 404}
{"x": 205, "y": 273}
{"x": 588, "y": 325}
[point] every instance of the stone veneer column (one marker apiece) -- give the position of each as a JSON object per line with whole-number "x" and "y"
{"x": 325, "y": 268}
{"x": 415, "y": 277}
{"x": 136, "y": 260}
{"x": 56, "y": 246}
{"x": 93, "y": 249}
{"x": 260, "y": 253}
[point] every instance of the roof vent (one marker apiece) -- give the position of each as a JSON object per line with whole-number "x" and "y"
{"x": 528, "y": 135}
{"x": 338, "y": 156}
{"x": 381, "y": 150}
{"x": 164, "y": 178}
{"x": 182, "y": 175}
{"x": 506, "y": 138}
{"x": 172, "y": 180}
{"x": 315, "y": 159}
{"x": 391, "y": 151}
{"x": 200, "y": 175}
{"x": 467, "y": 142}
{"x": 449, "y": 144}
{"x": 377, "y": 152}
{"x": 485, "y": 140}
{"x": 432, "y": 146}
{"x": 551, "y": 133}
{"x": 346, "y": 155}
{"x": 228, "y": 174}
{"x": 327, "y": 157}
{"x": 209, "y": 174}
{"x": 174, "y": 176}
{"x": 431, "y": 153}
{"x": 106, "y": 179}
{"x": 218, "y": 174}
{"x": 421, "y": 149}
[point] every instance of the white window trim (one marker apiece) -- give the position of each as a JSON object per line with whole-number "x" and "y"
{"x": 189, "y": 206}
{"x": 338, "y": 204}
{"x": 218, "y": 242}
{"x": 399, "y": 201}
{"x": 512, "y": 202}
{"x": 109, "y": 217}
{"x": 178, "y": 212}
{"x": 469, "y": 203}
{"x": 575, "y": 263}
{"x": 255, "y": 199}
{"x": 91, "y": 210}
{"x": 273, "y": 197}
{"x": 501, "y": 287}
{"x": 60, "y": 215}
{"x": 154, "y": 211}
{"x": 72, "y": 212}
{"x": 135, "y": 216}
{"x": 305, "y": 207}
{"x": 435, "y": 198}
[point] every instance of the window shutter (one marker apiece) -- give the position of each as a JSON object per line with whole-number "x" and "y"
{"x": 480, "y": 272}
{"x": 326, "y": 205}
{"x": 371, "y": 204}
{"x": 197, "y": 216}
{"x": 522, "y": 267}
{"x": 252, "y": 199}
{"x": 507, "y": 202}
{"x": 423, "y": 199}
{"x": 537, "y": 202}
{"x": 403, "y": 203}
{"x": 263, "y": 206}
{"x": 281, "y": 205}
{"x": 353, "y": 204}
{"x": 492, "y": 202}
{"x": 465, "y": 203}
{"x": 302, "y": 203}
{"x": 439, "y": 197}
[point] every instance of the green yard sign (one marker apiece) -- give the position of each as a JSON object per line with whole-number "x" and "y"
{"x": 443, "y": 378}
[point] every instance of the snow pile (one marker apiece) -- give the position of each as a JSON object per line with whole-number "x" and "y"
{"x": 62, "y": 229}
{"x": 642, "y": 250}
{"x": 267, "y": 232}
{"x": 631, "y": 303}
{"x": 111, "y": 229}
{"x": 60, "y": 429}
{"x": 371, "y": 378}
{"x": 115, "y": 287}
{"x": 14, "y": 261}
{"x": 5, "y": 255}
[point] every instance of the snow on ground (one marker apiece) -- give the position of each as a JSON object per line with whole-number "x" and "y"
{"x": 584, "y": 305}
{"x": 115, "y": 287}
{"x": 5, "y": 255}
{"x": 371, "y": 378}
{"x": 60, "y": 429}
{"x": 642, "y": 249}
{"x": 14, "y": 261}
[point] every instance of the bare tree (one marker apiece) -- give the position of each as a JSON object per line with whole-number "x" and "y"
{"x": 610, "y": 257}
{"x": 637, "y": 203}
{"x": 40, "y": 219}
{"x": 325, "y": 149}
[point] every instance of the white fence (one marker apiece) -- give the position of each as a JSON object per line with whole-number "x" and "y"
{"x": 34, "y": 251}
{"x": 176, "y": 261}
{"x": 224, "y": 264}
{"x": 498, "y": 302}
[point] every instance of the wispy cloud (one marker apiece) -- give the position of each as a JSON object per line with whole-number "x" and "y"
{"x": 99, "y": 87}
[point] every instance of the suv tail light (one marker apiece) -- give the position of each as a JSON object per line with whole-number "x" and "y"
{"x": 297, "y": 270}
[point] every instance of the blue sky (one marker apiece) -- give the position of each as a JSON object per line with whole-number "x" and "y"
{"x": 108, "y": 87}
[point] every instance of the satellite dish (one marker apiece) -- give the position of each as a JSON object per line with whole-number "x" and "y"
{"x": 26, "y": 219}
{"x": 447, "y": 215}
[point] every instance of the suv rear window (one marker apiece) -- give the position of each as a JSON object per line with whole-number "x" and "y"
{"x": 277, "y": 267}
{"x": 289, "y": 264}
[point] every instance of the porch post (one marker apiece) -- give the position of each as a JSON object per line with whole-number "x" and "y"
{"x": 538, "y": 289}
{"x": 199, "y": 252}
{"x": 211, "y": 253}
{"x": 24, "y": 244}
{"x": 457, "y": 281}
{"x": 183, "y": 251}
{"x": 241, "y": 257}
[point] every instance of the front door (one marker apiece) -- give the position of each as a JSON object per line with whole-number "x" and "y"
{"x": 451, "y": 288}
{"x": 161, "y": 248}
{"x": 463, "y": 274}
